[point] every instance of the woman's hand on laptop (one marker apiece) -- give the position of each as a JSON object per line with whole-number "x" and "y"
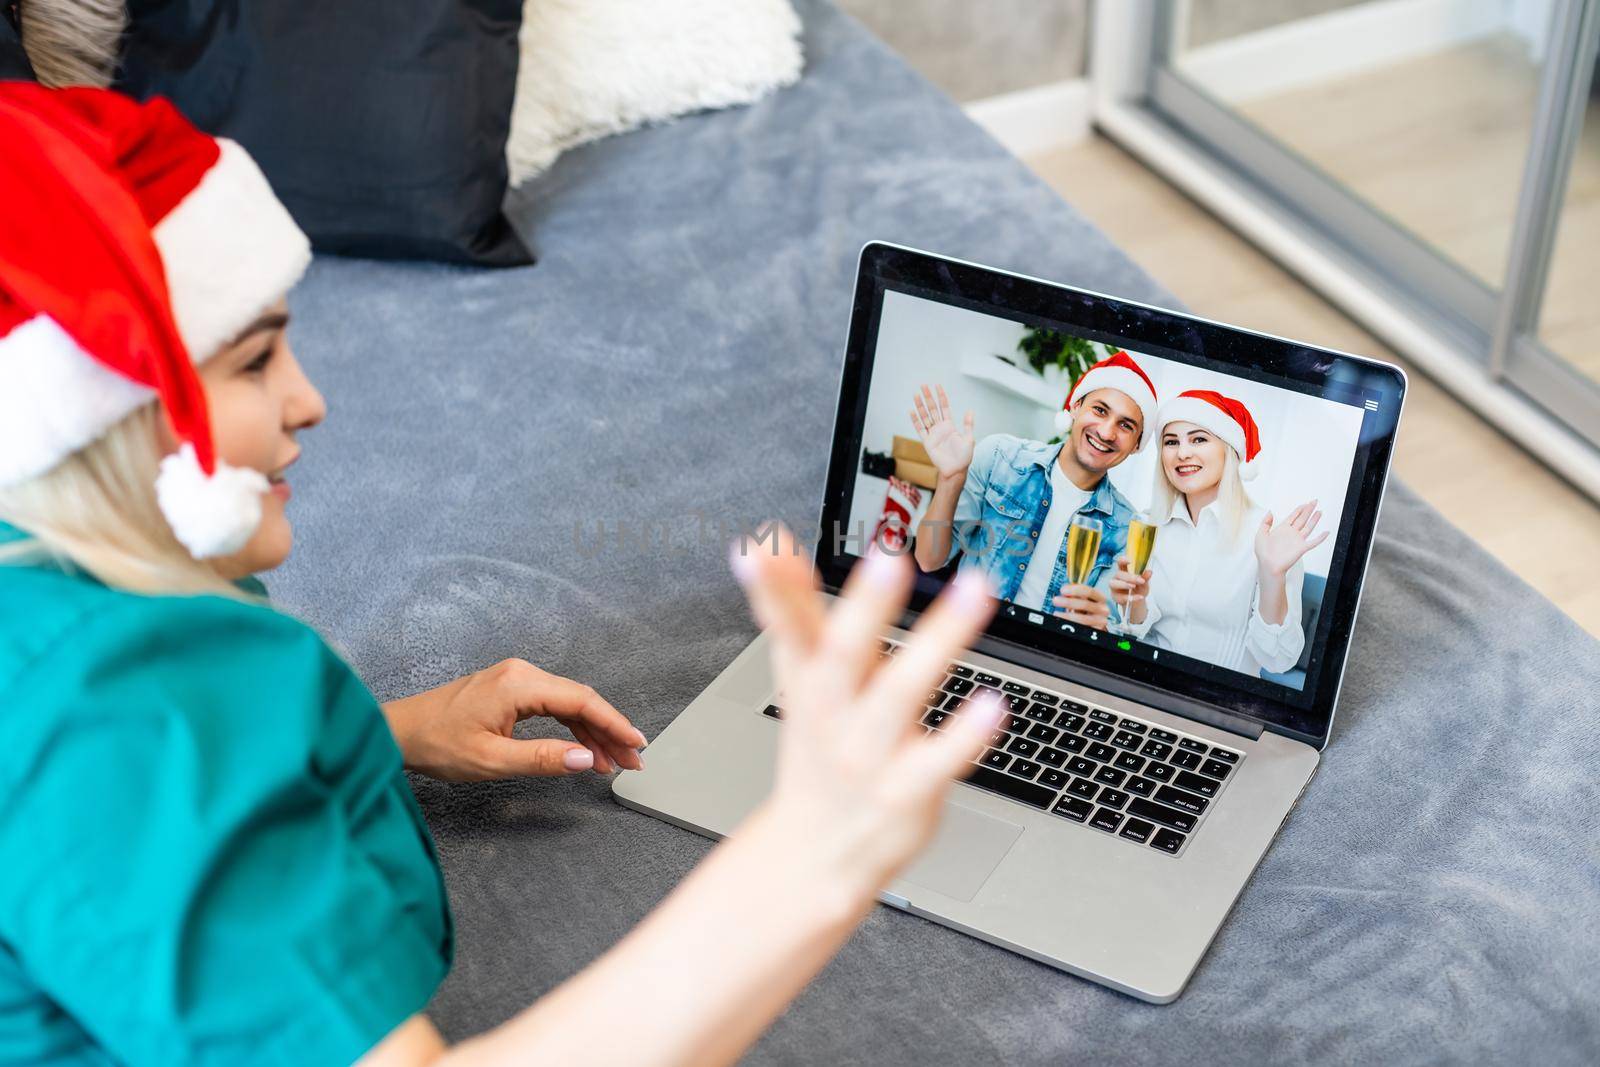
{"x": 858, "y": 781}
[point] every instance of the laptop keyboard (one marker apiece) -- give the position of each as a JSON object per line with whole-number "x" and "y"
{"x": 1118, "y": 774}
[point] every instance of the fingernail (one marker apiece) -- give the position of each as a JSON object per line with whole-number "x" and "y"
{"x": 883, "y": 570}
{"x": 577, "y": 759}
{"x": 971, "y": 589}
{"x": 740, "y": 562}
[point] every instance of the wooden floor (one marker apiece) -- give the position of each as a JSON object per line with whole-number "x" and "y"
{"x": 1479, "y": 479}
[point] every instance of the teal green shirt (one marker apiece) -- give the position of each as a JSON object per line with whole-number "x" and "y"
{"x": 210, "y": 853}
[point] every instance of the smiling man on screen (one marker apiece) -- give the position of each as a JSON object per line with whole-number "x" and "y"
{"x": 1006, "y": 502}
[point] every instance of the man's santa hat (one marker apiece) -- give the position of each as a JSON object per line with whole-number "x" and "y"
{"x": 1224, "y": 416}
{"x": 1117, "y": 371}
{"x": 132, "y": 247}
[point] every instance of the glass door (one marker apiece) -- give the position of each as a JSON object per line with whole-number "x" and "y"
{"x": 1444, "y": 153}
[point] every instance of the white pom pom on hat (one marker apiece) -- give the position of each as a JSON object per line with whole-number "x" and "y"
{"x": 1117, "y": 371}
{"x": 1224, "y": 416}
{"x": 135, "y": 247}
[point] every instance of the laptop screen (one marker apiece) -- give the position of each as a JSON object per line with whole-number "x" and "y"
{"x": 1174, "y": 501}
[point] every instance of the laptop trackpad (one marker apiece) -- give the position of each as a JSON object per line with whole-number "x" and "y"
{"x": 959, "y": 859}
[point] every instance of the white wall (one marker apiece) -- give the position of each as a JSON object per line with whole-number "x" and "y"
{"x": 1307, "y": 443}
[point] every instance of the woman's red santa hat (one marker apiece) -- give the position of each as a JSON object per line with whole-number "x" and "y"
{"x": 1117, "y": 371}
{"x": 1224, "y": 416}
{"x": 132, "y": 247}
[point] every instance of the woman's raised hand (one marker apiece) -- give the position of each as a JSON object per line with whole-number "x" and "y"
{"x": 949, "y": 446}
{"x": 855, "y": 767}
{"x": 1280, "y": 546}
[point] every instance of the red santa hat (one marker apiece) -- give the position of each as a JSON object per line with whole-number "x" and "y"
{"x": 132, "y": 247}
{"x": 1224, "y": 416}
{"x": 1117, "y": 371}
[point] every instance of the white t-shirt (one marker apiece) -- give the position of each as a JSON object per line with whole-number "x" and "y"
{"x": 1065, "y": 500}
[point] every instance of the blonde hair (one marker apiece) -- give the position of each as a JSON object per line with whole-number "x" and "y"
{"x": 1233, "y": 502}
{"x": 97, "y": 511}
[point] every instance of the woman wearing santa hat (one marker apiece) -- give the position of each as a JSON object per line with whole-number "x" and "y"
{"x": 1224, "y": 580}
{"x": 211, "y": 852}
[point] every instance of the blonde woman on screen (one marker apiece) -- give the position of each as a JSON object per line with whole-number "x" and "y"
{"x": 1224, "y": 579}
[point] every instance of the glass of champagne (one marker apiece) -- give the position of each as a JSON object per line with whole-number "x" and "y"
{"x": 1141, "y": 542}
{"x": 1083, "y": 547}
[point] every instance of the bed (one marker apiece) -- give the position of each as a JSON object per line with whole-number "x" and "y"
{"x": 538, "y": 462}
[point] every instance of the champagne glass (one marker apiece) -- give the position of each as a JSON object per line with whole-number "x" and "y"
{"x": 1141, "y": 542}
{"x": 1083, "y": 547}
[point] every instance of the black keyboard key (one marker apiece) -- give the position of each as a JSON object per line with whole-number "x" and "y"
{"x": 986, "y": 679}
{"x": 1110, "y": 776}
{"x": 1128, "y": 762}
{"x": 1112, "y": 798}
{"x": 1181, "y": 821}
{"x": 1046, "y": 698}
{"x": 1136, "y": 830}
{"x": 1016, "y": 705}
{"x": 1016, "y": 687}
{"x": 1164, "y": 735}
{"x": 1079, "y": 765}
{"x": 998, "y": 738}
{"x": 935, "y": 698}
{"x": 985, "y": 690}
{"x": 1073, "y": 705}
{"x": 1101, "y": 753}
{"x": 1015, "y": 788}
{"x": 1044, "y": 734}
{"x": 1156, "y": 750}
{"x": 1107, "y": 820}
{"x": 1161, "y": 772}
{"x": 1052, "y": 757}
{"x": 1215, "y": 768}
{"x": 1084, "y": 788}
{"x": 1073, "y": 808}
{"x": 1071, "y": 742}
{"x": 1102, "y": 716}
{"x": 1134, "y": 727}
{"x": 1167, "y": 841}
{"x": 1192, "y": 745}
{"x": 1206, "y": 787}
{"x": 960, "y": 671}
{"x": 1097, "y": 731}
{"x": 1041, "y": 713}
{"x": 996, "y": 759}
{"x": 1024, "y": 768}
{"x": 1068, "y": 721}
{"x": 1022, "y": 746}
{"x": 771, "y": 711}
{"x": 1140, "y": 787}
{"x": 958, "y": 686}
{"x": 935, "y": 718}
{"x": 1186, "y": 760}
{"x": 1055, "y": 779}
{"x": 1222, "y": 754}
{"x": 1178, "y": 798}
{"x": 1016, "y": 724}
{"x": 1124, "y": 739}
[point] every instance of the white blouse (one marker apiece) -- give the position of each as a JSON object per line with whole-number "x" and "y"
{"x": 1204, "y": 600}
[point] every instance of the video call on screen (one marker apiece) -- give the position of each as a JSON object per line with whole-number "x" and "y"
{"x": 1222, "y": 589}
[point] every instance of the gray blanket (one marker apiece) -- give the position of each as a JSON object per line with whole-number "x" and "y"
{"x": 1436, "y": 895}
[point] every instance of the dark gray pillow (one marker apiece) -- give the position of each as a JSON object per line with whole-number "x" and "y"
{"x": 14, "y": 64}
{"x": 381, "y": 124}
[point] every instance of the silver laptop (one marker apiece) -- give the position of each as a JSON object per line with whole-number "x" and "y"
{"x": 1146, "y": 762}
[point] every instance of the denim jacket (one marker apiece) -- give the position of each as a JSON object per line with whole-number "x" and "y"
{"x": 1002, "y": 509}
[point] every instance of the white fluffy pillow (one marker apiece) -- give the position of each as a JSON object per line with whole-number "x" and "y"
{"x": 591, "y": 68}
